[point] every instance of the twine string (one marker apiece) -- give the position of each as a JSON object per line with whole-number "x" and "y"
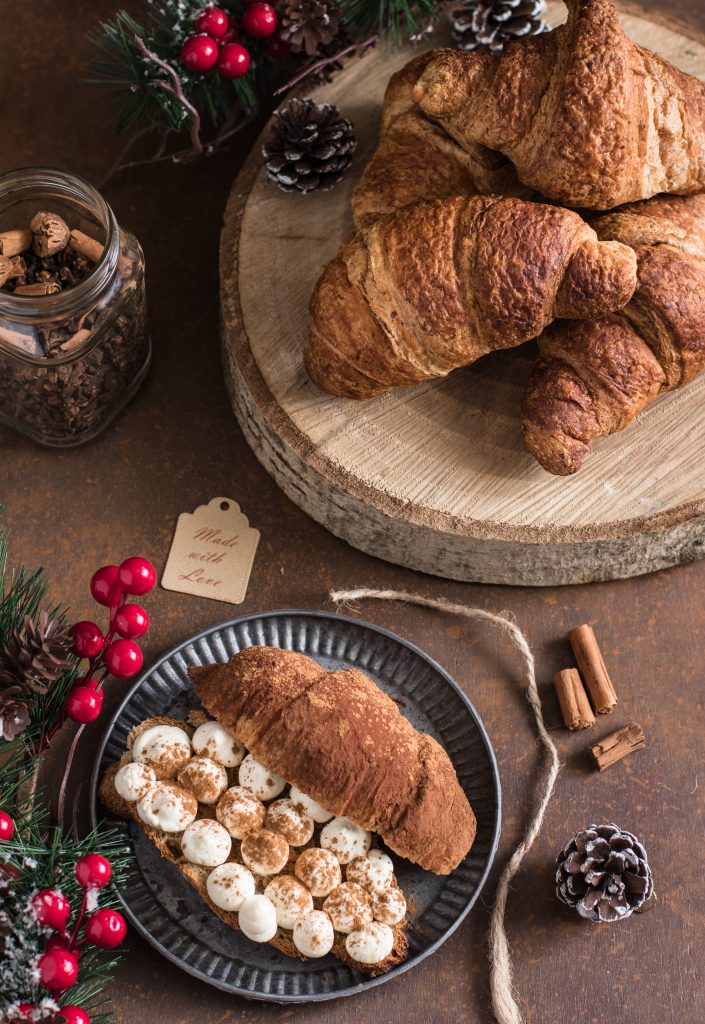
{"x": 504, "y": 1005}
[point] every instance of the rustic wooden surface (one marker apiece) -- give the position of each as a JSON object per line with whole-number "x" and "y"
{"x": 437, "y": 477}
{"x": 178, "y": 446}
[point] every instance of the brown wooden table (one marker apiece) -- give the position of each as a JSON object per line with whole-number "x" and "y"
{"x": 178, "y": 445}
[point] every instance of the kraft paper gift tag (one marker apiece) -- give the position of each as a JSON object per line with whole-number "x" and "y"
{"x": 212, "y": 552}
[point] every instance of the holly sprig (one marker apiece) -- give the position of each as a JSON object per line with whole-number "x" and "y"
{"x": 50, "y": 887}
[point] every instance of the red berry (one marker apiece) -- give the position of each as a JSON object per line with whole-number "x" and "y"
{"x": 137, "y": 575}
{"x": 71, "y": 1015}
{"x": 7, "y": 827}
{"x": 213, "y": 21}
{"x": 199, "y": 53}
{"x": 123, "y": 658}
{"x": 131, "y": 621}
{"x": 105, "y": 586}
{"x": 260, "y": 20}
{"x": 106, "y": 928}
{"x": 87, "y": 639}
{"x": 90, "y": 681}
{"x": 51, "y": 908}
{"x": 277, "y": 48}
{"x": 233, "y": 61}
{"x": 60, "y": 942}
{"x": 83, "y": 704}
{"x": 58, "y": 970}
{"x": 93, "y": 871}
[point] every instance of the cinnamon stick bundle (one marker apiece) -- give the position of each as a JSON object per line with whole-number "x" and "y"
{"x": 575, "y": 706}
{"x": 592, "y": 669}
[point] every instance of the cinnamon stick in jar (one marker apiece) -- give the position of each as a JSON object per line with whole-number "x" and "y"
{"x": 593, "y": 669}
{"x": 575, "y": 706}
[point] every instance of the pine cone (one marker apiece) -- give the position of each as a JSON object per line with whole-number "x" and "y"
{"x": 309, "y": 25}
{"x": 35, "y": 656}
{"x": 488, "y": 27}
{"x": 14, "y": 713}
{"x": 310, "y": 147}
{"x": 604, "y": 874}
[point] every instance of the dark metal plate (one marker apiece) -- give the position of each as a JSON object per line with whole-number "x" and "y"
{"x": 164, "y": 908}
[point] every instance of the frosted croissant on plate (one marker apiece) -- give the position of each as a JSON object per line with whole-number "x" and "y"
{"x": 290, "y": 713}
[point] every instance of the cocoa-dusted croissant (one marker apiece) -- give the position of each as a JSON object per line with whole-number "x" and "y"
{"x": 436, "y": 285}
{"x": 338, "y": 738}
{"x": 417, "y": 159}
{"x": 593, "y": 378}
{"x": 587, "y": 117}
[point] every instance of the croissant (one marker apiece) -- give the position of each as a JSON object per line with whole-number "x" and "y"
{"x": 593, "y": 378}
{"x": 587, "y": 117}
{"x": 340, "y": 739}
{"x": 417, "y": 159}
{"x": 415, "y": 294}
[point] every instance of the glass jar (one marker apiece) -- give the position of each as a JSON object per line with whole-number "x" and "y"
{"x": 70, "y": 361}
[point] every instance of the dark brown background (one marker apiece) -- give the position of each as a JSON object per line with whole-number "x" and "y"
{"x": 178, "y": 446}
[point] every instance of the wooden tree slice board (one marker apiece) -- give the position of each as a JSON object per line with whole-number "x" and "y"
{"x": 436, "y": 477}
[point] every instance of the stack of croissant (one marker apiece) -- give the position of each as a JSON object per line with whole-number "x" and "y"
{"x": 464, "y": 242}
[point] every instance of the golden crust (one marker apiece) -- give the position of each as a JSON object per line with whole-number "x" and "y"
{"x": 417, "y": 160}
{"x": 593, "y": 378}
{"x": 340, "y": 739}
{"x": 415, "y": 294}
{"x": 168, "y": 845}
{"x": 587, "y": 118}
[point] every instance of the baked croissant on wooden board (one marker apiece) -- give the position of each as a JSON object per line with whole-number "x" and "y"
{"x": 337, "y": 737}
{"x": 588, "y": 118}
{"x": 417, "y": 160}
{"x": 594, "y": 377}
{"x": 436, "y": 285}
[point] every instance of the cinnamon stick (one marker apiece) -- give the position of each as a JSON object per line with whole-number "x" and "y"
{"x": 15, "y": 241}
{"x": 39, "y": 288}
{"x": 85, "y": 245}
{"x": 592, "y": 669}
{"x": 617, "y": 745}
{"x": 575, "y": 706}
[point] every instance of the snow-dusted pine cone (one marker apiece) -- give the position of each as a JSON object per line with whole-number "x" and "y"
{"x": 604, "y": 874}
{"x": 309, "y": 147}
{"x": 309, "y": 25}
{"x": 488, "y": 27}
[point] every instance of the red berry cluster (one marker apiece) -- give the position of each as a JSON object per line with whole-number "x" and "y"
{"x": 106, "y": 655}
{"x": 58, "y": 965}
{"x": 218, "y": 45}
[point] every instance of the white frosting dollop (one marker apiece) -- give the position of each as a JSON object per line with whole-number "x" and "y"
{"x": 168, "y": 807}
{"x": 371, "y": 944}
{"x": 291, "y": 899}
{"x": 229, "y": 885}
{"x": 165, "y": 747}
{"x": 205, "y": 778}
{"x": 284, "y": 817}
{"x": 259, "y": 780}
{"x": 258, "y": 918}
{"x": 314, "y": 810}
{"x": 213, "y": 740}
{"x": 313, "y": 934}
{"x": 345, "y": 839}
{"x": 373, "y": 872}
{"x": 319, "y": 870}
{"x": 388, "y": 905}
{"x": 134, "y": 780}
{"x": 264, "y": 852}
{"x": 240, "y": 811}
{"x": 348, "y": 907}
{"x": 206, "y": 842}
